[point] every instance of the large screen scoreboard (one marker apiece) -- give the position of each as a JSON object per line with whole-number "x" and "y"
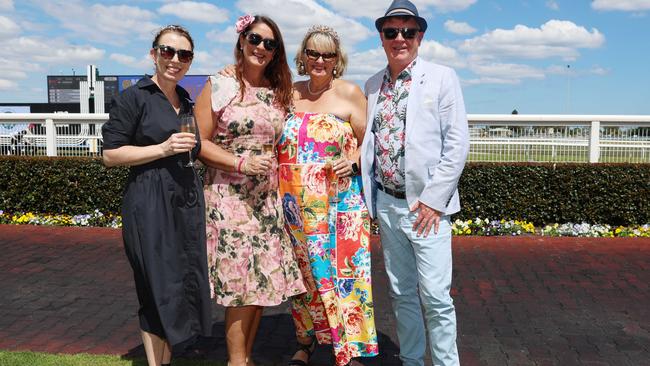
{"x": 65, "y": 88}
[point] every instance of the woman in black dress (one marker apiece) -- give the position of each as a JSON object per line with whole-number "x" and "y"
{"x": 163, "y": 209}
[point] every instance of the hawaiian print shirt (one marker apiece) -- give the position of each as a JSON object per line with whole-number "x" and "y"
{"x": 389, "y": 126}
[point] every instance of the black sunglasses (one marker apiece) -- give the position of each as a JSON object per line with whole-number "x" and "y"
{"x": 407, "y": 33}
{"x": 255, "y": 39}
{"x": 315, "y": 55}
{"x": 168, "y": 52}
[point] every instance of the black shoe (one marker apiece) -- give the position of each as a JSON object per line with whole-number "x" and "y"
{"x": 308, "y": 349}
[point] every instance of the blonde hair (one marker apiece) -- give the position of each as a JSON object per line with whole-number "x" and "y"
{"x": 324, "y": 39}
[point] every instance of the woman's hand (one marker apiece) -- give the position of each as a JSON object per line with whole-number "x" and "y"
{"x": 178, "y": 143}
{"x": 342, "y": 167}
{"x": 229, "y": 71}
{"x": 257, "y": 164}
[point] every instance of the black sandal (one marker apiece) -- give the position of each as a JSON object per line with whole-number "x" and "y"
{"x": 308, "y": 349}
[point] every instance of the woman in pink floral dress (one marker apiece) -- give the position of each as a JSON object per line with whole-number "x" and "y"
{"x": 251, "y": 263}
{"x": 323, "y": 204}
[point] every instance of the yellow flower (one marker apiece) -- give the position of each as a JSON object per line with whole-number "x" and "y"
{"x": 324, "y": 128}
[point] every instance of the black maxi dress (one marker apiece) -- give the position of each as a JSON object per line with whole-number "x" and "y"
{"x": 163, "y": 217}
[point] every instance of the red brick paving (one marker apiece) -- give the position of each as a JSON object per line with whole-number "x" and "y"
{"x": 520, "y": 300}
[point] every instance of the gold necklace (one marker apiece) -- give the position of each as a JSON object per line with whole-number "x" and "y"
{"x": 320, "y": 91}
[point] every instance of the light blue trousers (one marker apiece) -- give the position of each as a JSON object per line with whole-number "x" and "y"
{"x": 423, "y": 263}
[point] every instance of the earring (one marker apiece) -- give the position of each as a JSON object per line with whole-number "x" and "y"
{"x": 301, "y": 68}
{"x": 334, "y": 72}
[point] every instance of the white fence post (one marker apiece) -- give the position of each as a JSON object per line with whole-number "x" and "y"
{"x": 594, "y": 142}
{"x": 50, "y": 137}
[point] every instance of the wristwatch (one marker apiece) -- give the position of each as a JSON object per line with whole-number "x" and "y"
{"x": 355, "y": 168}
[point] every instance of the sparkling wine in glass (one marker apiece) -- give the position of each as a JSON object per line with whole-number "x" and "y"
{"x": 267, "y": 148}
{"x": 188, "y": 125}
{"x": 332, "y": 183}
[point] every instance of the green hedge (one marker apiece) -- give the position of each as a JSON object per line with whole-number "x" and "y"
{"x": 59, "y": 185}
{"x": 615, "y": 194}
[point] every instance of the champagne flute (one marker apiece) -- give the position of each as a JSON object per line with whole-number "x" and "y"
{"x": 188, "y": 125}
{"x": 268, "y": 147}
{"x": 332, "y": 182}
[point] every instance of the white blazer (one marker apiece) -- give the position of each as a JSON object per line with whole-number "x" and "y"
{"x": 436, "y": 138}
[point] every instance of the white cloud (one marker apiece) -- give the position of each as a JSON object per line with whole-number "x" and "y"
{"x": 552, "y": 4}
{"x": 507, "y": 71}
{"x": 195, "y": 11}
{"x": 504, "y": 73}
{"x": 560, "y": 70}
{"x": 228, "y": 35}
{"x": 488, "y": 80}
{"x": 143, "y": 63}
{"x": 623, "y": 5}
{"x": 294, "y": 27}
{"x": 72, "y": 53}
{"x": 207, "y": 63}
{"x": 8, "y": 27}
{"x": 444, "y": 6}
{"x": 117, "y": 24}
{"x": 6, "y": 5}
{"x": 15, "y": 69}
{"x": 555, "y": 38}
{"x": 598, "y": 70}
{"x": 53, "y": 51}
{"x": 7, "y": 85}
{"x": 374, "y": 9}
{"x": 438, "y": 53}
{"x": 362, "y": 65}
{"x": 564, "y": 70}
{"x": 459, "y": 27}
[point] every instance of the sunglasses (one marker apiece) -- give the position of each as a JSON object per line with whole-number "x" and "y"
{"x": 315, "y": 55}
{"x": 407, "y": 33}
{"x": 255, "y": 39}
{"x": 168, "y": 52}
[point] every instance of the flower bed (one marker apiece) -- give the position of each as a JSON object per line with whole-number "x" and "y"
{"x": 478, "y": 226}
{"x": 516, "y": 227}
{"x": 95, "y": 218}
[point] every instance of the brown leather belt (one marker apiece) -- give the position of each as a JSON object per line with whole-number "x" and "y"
{"x": 396, "y": 194}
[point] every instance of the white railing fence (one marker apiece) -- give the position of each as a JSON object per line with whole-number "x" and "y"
{"x": 493, "y": 137}
{"x": 51, "y": 134}
{"x": 559, "y": 138}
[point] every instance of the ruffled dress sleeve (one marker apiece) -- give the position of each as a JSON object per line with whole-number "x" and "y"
{"x": 224, "y": 90}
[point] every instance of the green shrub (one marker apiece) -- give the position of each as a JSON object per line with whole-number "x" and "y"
{"x": 615, "y": 194}
{"x": 59, "y": 185}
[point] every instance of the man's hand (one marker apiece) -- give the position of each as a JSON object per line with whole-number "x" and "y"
{"x": 427, "y": 217}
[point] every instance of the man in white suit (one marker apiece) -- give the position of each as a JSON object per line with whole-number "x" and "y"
{"x": 411, "y": 159}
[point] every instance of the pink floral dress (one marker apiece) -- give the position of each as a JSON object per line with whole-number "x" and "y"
{"x": 250, "y": 258}
{"x": 331, "y": 239}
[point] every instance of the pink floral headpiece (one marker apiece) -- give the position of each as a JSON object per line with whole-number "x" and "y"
{"x": 243, "y": 22}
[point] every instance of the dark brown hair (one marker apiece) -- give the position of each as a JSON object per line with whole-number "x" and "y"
{"x": 172, "y": 28}
{"x": 276, "y": 72}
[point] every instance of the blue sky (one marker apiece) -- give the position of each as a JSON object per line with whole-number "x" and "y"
{"x": 543, "y": 56}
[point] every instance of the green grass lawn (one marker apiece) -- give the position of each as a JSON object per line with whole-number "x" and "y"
{"x": 46, "y": 359}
